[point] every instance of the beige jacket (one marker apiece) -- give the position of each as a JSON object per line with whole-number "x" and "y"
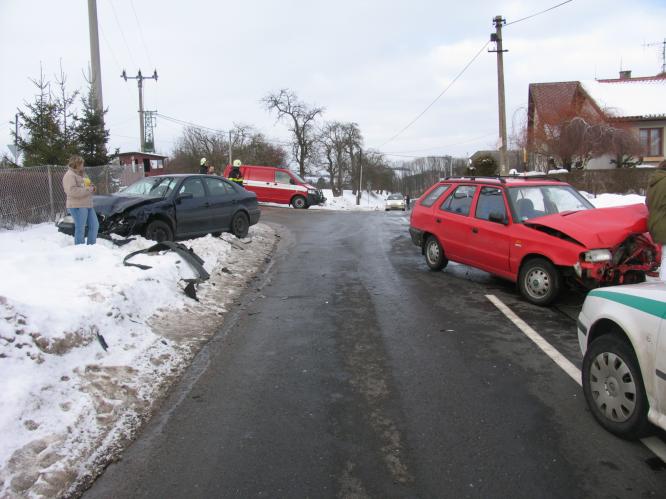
{"x": 78, "y": 195}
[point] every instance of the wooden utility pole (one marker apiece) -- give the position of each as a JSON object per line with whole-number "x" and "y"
{"x": 139, "y": 78}
{"x": 497, "y": 38}
{"x": 94, "y": 59}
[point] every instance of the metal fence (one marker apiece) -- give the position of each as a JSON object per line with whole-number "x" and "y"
{"x": 34, "y": 194}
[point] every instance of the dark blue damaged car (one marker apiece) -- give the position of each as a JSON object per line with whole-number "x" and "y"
{"x": 171, "y": 207}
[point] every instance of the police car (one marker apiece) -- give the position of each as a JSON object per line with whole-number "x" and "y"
{"x": 622, "y": 335}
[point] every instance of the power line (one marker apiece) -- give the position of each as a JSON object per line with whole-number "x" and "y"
{"x": 447, "y": 145}
{"x": 122, "y": 33}
{"x": 143, "y": 41}
{"x": 438, "y": 97}
{"x": 539, "y": 13}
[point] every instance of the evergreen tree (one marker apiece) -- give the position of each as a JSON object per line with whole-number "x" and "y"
{"x": 91, "y": 136}
{"x": 44, "y": 143}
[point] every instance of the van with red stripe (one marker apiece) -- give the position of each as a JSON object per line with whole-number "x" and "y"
{"x": 278, "y": 185}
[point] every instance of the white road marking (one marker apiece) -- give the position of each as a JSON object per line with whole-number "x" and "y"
{"x": 656, "y": 445}
{"x": 547, "y": 348}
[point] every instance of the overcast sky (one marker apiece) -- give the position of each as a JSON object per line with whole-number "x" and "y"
{"x": 375, "y": 62}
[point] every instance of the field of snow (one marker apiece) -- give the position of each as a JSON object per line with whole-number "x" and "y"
{"x": 88, "y": 344}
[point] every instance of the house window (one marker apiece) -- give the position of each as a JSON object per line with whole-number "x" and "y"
{"x": 652, "y": 140}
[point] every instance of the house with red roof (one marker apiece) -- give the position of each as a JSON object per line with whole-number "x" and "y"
{"x": 599, "y": 109}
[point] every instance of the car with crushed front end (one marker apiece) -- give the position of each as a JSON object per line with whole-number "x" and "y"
{"x": 538, "y": 232}
{"x": 171, "y": 207}
{"x": 622, "y": 336}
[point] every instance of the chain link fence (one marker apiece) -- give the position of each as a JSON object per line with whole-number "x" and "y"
{"x": 32, "y": 195}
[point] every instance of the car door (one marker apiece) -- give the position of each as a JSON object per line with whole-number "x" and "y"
{"x": 223, "y": 200}
{"x": 452, "y": 222}
{"x": 660, "y": 370}
{"x": 284, "y": 187}
{"x": 192, "y": 208}
{"x": 489, "y": 232}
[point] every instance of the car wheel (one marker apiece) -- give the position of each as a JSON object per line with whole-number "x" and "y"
{"x": 613, "y": 387}
{"x": 240, "y": 225}
{"x": 159, "y": 231}
{"x": 298, "y": 202}
{"x": 434, "y": 254}
{"x": 539, "y": 281}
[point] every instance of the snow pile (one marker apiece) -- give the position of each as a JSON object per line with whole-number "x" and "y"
{"x": 87, "y": 344}
{"x": 609, "y": 200}
{"x": 369, "y": 201}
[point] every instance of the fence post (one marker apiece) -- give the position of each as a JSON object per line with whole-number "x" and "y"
{"x": 48, "y": 171}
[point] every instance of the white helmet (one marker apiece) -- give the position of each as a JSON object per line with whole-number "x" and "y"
{"x": 237, "y": 162}
{"x": 203, "y": 161}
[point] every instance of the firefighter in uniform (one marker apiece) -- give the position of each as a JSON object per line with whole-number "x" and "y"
{"x": 235, "y": 174}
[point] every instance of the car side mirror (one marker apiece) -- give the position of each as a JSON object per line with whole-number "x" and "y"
{"x": 184, "y": 195}
{"x": 497, "y": 217}
{"x": 292, "y": 181}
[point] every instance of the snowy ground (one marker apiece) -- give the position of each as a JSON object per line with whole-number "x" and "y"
{"x": 67, "y": 403}
{"x": 371, "y": 201}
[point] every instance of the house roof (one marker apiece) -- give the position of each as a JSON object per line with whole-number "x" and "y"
{"x": 635, "y": 97}
{"x": 550, "y": 95}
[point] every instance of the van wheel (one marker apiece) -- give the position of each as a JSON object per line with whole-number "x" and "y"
{"x": 159, "y": 231}
{"x": 299, "y": 202}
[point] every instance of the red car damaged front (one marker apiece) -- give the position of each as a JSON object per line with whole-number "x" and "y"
{"x": 617, "y": 247}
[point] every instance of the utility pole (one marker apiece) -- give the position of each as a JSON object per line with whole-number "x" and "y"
{"x": 139, "y": 78}
{"x": 94, "y": 59}
{"x": 230, "y": 151}
{"x": 360, "y": 176}
{"x": 497, "y": 38}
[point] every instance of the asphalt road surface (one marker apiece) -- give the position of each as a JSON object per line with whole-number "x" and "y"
{"x": 351, "y": 370}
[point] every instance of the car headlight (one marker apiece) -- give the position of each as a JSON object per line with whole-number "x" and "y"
{"x": 312, "y": 191}
{"x": 598, "y": 255}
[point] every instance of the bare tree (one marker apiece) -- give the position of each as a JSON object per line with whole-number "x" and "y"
{"x": 332, "y": 143}
{"x": 302, "y": 123}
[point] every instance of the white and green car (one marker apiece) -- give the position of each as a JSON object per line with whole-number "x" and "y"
{"x": 622, "y": 334}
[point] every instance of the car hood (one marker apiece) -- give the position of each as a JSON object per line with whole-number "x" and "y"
{"x": 111, "y": 205}
{"x": 599, "y": 227}
{"x": 310, "y": 186}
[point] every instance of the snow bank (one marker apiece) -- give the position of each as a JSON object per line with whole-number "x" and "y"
{"x": 609, "y": 200}
{"x": 86, "y": 344}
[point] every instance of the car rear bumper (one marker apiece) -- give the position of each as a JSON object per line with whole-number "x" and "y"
{"x": 417, "y": 236}
{"x": 254, "y": 216}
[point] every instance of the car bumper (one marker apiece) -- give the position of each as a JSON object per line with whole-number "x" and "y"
{"x": 254, "y": 216}
{"x": 417, "y": 236}
{"x": 66, "y": 225}
{"x": 396, "y": 206}
{"x": 316, "y": 198}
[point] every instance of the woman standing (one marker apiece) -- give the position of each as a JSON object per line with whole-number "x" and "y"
{"x": 79, "y": 193}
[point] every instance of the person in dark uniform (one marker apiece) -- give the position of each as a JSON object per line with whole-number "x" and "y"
{"x": 407, "y": 199}
{"x": 235, "y": 175}
{"x": 203, "y": 166}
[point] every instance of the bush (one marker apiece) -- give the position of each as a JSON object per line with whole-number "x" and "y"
{"x": 483, "y": 166}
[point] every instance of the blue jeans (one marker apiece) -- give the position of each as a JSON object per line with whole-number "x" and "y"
{"x": 83, "y": 217}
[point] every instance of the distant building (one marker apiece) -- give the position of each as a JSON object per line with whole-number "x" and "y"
{"x": 152, "y": 164}
{"x": 638, "y": 104}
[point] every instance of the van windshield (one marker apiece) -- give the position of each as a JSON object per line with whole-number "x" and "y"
{"x": 298, "y": 177}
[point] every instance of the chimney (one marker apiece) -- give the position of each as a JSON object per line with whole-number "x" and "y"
{"x": 625, "y": 75}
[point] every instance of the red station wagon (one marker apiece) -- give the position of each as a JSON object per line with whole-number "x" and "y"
{"x": 536, "y": 232}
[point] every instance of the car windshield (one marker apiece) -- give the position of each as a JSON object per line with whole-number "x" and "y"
{"x": 298, "y": 177}
{"x": 395, "y": 196}
{"x": 152, "y": 187}
{"x": 537, "y": 201}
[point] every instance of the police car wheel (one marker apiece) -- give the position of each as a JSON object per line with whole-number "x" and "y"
{"x": 613, "y": 387}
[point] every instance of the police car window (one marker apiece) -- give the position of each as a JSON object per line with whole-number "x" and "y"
{"x": 216, "y": 187}
{"x": 460, "y": 201}
{"x": 193, "y": 186}
{"x": 282, "y": 177}
{"x": 490, "y": 201}
{"x": 430, "y": 199}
